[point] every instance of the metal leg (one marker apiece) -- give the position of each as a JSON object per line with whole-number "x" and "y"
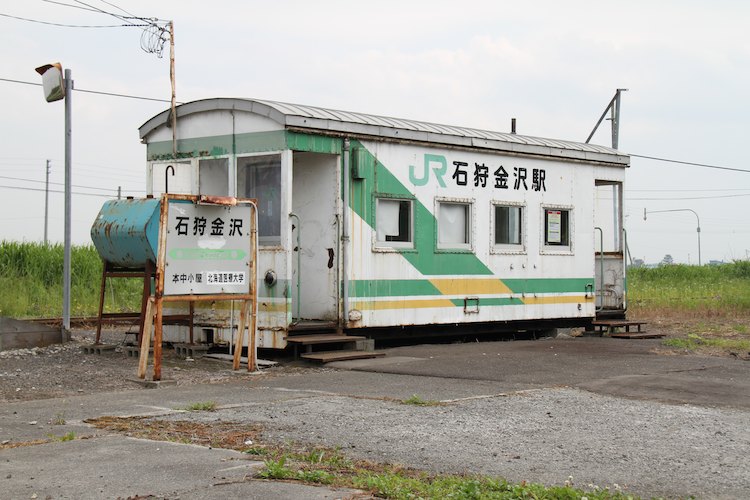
{"x": 101, "y": 303}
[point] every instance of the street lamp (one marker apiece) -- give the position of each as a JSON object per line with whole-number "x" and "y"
{"x": 55, "y": 88}
{"x": 682, "y": 210}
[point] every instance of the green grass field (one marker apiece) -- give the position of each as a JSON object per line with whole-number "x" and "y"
{"x": 31, "y": 286}
{"x": 31, "y": 282}
{"x": 706, "y": 291}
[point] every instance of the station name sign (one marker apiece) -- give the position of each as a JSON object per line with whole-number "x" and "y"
{"x": 207, "y": 249}
{"x": 475, "y": 174}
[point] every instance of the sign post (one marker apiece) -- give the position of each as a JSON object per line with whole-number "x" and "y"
{"x": 207, "y": 252}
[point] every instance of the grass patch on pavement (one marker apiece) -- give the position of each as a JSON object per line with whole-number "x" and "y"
{"x": 201, "y": 406}
{"x": 694, "y": 342}
{"x": 70, "y": 436}
{"x": 330, "y": 466}
{"x": 418, "y": 401}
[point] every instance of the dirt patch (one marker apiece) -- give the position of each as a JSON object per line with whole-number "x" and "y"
{"x": 227, "y": 435}
{"x": 701, "y": 334}
{"x": 62, "y": 370}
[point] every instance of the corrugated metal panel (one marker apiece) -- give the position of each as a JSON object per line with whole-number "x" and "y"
{"x": 315, "y": 118}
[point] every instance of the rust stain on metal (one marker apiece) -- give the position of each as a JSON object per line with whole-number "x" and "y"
{"x": 219, "y": 200}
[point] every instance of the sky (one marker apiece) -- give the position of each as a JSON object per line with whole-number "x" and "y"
{"x": 554, "y": 66}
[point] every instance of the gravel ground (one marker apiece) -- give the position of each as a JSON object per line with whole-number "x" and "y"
{"x": 541, "y": 435}
{"x": 62, "y": 370}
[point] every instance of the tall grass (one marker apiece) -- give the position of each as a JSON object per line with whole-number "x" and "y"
{"x": 31, "y": 276}
{"x": 722, "y": 290}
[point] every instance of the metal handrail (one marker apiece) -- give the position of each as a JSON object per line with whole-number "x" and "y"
{"x": 601, "y": 270}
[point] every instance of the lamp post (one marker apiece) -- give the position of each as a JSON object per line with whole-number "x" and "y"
{"x": 682, "y": 210}
{"x": 55, "y": 88}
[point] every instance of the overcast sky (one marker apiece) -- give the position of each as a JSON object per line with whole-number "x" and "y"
{"x": 552, "y": 65}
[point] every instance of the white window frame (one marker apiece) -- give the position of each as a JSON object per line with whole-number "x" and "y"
{"x": 508, "y": 248}
{"x": 557, "y": 249}
{"x": 385, "y": 245}
{"x": 469, "y": 225}
{"x": 264, "y": 242}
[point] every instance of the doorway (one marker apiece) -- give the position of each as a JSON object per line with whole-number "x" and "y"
{"x": 315, "y": 228}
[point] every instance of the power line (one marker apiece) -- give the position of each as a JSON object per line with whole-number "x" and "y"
{"x": 117, "y": 7}
{"x": 112, "y": 94}
{"x": 689, "y": 163}
{"x": 70, "y": 5}
{"x": 61, "y": 25}
{"x": 53, "y": 191}
{"x": 97, "y": 9}
{"x": 690, "y": 197}
{"x": 55, "y": 183}
{"x": 681, "y": 190}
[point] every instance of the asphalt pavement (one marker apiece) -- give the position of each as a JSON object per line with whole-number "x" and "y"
{"x": 603, "y": 410}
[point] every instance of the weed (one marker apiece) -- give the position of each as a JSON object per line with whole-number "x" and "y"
{"x": 256, "y": 450}
{"x": 418, "y": 401}
{"x": 202, "y": 406}
{"x": 694, "y": 342}
{"x": 315, "y": 456}
{"x": 276, "y": 469}
{"x": 740, "y": 328}
{"x": 315, "y": 476}
{"x": 681, "y": 343}
{"x": 70, "y": 436}
{"x": 59, "y": 419}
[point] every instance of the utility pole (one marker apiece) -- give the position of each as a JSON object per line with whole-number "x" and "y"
{"x": 68, "y": 80}
{"x": 46, "y": 202}
{"x": 614, "y": 109}
{"x": 174, "y": 93}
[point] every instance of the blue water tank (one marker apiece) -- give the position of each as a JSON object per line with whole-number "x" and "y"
{"x": 126, "y": 232}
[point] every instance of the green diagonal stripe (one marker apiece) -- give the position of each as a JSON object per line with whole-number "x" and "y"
{"x": 423, "y": 256}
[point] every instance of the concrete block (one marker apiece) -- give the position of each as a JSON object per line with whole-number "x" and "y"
{"x": 367, "y": 345}
{"x": 98, "y": 348}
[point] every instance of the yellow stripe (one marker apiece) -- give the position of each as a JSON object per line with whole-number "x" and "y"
{"x": 272, "y": 306}
{"x": 225, "y": 305}
{"x": 373, "y": 305}
{"x": 470, "y": 286}
{"x": 566, "y": 299}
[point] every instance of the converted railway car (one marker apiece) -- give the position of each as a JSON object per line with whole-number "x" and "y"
{"x": 369, "y": 223}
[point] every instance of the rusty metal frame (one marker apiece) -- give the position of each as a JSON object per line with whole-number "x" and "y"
{"x": 153, "y": 313}
{"x": 111, "y": 271}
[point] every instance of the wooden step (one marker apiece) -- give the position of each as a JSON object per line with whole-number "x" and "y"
{"x": 611, "y": 325}
{"x": 328, "y": 356}
{"x": 637, "y": 335}
{"x": 328, "y": 338}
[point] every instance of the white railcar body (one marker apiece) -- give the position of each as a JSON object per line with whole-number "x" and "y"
{"x": 375, "y": 222}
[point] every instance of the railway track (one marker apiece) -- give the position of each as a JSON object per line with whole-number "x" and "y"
{"x": 91, "y": 321}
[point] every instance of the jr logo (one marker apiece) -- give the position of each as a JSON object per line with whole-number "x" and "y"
{"x": 439, "y": 166}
